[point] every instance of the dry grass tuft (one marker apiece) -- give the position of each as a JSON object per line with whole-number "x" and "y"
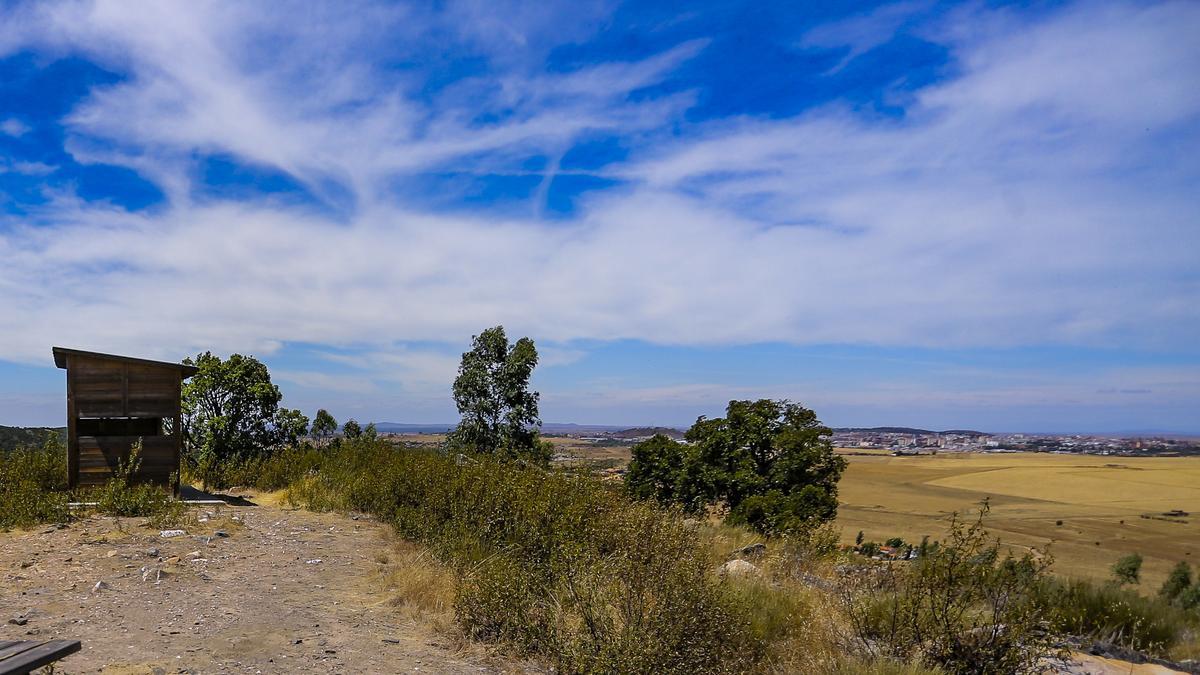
{"x": 417, "y": 585}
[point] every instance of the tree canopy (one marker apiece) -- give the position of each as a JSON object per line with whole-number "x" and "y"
{"x": 231, "y": 410}
{"x": 770, "y": 462}
{"x": 499, "y": 412}
{"x": 323, "y": 424}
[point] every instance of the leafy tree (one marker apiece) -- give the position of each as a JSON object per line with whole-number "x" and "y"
{"x": 229, "y": 411}
{"x": 369, "y": 432}
{"x": 499, "y": 413}
{"x": 655, "y": 469}
{"x": 324, "y": 425}
{"x": 290, "y": 426}
{"x": 770, "y": 462}
{"x": 351, "y": 429}
{"x": 1177, "y": 581}
{"x": 1128, "y": 569}
{"x": 858, "y": 539}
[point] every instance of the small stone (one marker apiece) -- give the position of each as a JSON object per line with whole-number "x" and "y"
{"x": 391, "y": 641}
{"x": 152, "y": 552}
{"x": 314, "y": 561}
{"x": 18, "y": 621}
{"x": 740, "y": 568}
{"x": 221, "y": 533}
{"x": 753, "y": 550}
{"x": 167, "y": 534}
{"x": 100, "y": 586}
{"x": 110, "y": 554}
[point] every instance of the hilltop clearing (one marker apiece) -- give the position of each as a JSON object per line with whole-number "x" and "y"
{"x": 287, "y": 591}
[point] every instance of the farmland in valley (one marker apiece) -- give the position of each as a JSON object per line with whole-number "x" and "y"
{"x": 1108, "y": 506}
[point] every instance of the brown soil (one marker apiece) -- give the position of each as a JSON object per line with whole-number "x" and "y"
{"x": 287, "y": 591}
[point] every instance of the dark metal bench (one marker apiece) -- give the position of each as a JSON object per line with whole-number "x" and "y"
{"x": 18, "y": 658}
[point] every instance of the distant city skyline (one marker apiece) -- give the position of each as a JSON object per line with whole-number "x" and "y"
{"x": 919, "y": 213}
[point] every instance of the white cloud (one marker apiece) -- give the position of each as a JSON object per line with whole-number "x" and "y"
{"x": 13, "y": 127}
{"x": 1045, "y": 194}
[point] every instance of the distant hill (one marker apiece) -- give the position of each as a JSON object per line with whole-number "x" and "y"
{"x": 14, "y": 437}
{"x": 641, "y": 432}
{"x": 402, "y": 428}
{"x": 908, "y": 430}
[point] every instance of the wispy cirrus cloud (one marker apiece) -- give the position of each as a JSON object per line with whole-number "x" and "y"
{"x": 1040, "y": 192}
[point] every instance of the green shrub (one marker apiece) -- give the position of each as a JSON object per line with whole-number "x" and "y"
{"x": 961, "y": 607}
{"x": 1113, "y": 614}
{"x": 123, "y": 497}
{"x": 550, "y": 564}
{"x": 33, "y": 483}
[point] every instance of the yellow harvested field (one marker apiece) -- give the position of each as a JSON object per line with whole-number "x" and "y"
{"x": 1108, "y": 506}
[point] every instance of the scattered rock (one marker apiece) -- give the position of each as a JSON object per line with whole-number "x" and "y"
{"x": 18, "y": 621}
{"x": 314, "y": 561}
{"x": 167, "y": 534}
{"x": 111, "y": 554}
{"x": 221, "y": 533}
{"x": 100, "y": 586}
{"x": 752, "y": 551}
{"x": 740, "y": 568}
{"x": 391, "y": 641}
{"x": 152, "y": 552}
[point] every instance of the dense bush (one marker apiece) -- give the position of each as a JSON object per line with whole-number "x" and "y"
{"x": 272, "y": 471}
{"x": 33, "y": 482}
{"x": 551, "y": 564}
{"x": 961, "y": 607}
{"x": 1113, "y": 614}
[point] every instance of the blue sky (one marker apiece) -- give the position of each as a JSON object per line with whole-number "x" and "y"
{"x": 935, "y": 214}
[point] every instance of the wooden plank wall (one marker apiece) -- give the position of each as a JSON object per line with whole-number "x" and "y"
{"x": 101, "y": 388}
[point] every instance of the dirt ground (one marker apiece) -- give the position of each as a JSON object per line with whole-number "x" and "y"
{"x": 286, "y": 591}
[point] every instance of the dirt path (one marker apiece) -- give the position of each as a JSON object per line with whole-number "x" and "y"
{"x": 285, "y": 592}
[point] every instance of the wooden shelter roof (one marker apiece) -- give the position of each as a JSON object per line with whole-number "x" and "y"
{"x": 61, "y": 354}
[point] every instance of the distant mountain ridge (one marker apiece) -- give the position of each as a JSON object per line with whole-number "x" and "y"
{"x": 908, "y": 430}
{"x": 15, "y": 437}
{"x": 642, "y": 432}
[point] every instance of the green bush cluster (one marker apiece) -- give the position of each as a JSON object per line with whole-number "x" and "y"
{"x": 33, "y": 489}
{"x": 551, "y": 564}
{"x": 1110, "y": 613}
{"x": 124, "y": 497}
{"x": 961, "y": 607}
{"x": 272, "y": 471}
{"x": 33, "y": 483}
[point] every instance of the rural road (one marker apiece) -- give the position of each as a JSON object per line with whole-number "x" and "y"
{"x": 285, "y": 592}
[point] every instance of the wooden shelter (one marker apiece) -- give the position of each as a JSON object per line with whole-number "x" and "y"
{"x": 112, "y": 401}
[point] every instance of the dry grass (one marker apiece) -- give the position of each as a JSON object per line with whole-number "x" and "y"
{"x": 1100, "y": 501}
{"x": 417, "y": 585}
